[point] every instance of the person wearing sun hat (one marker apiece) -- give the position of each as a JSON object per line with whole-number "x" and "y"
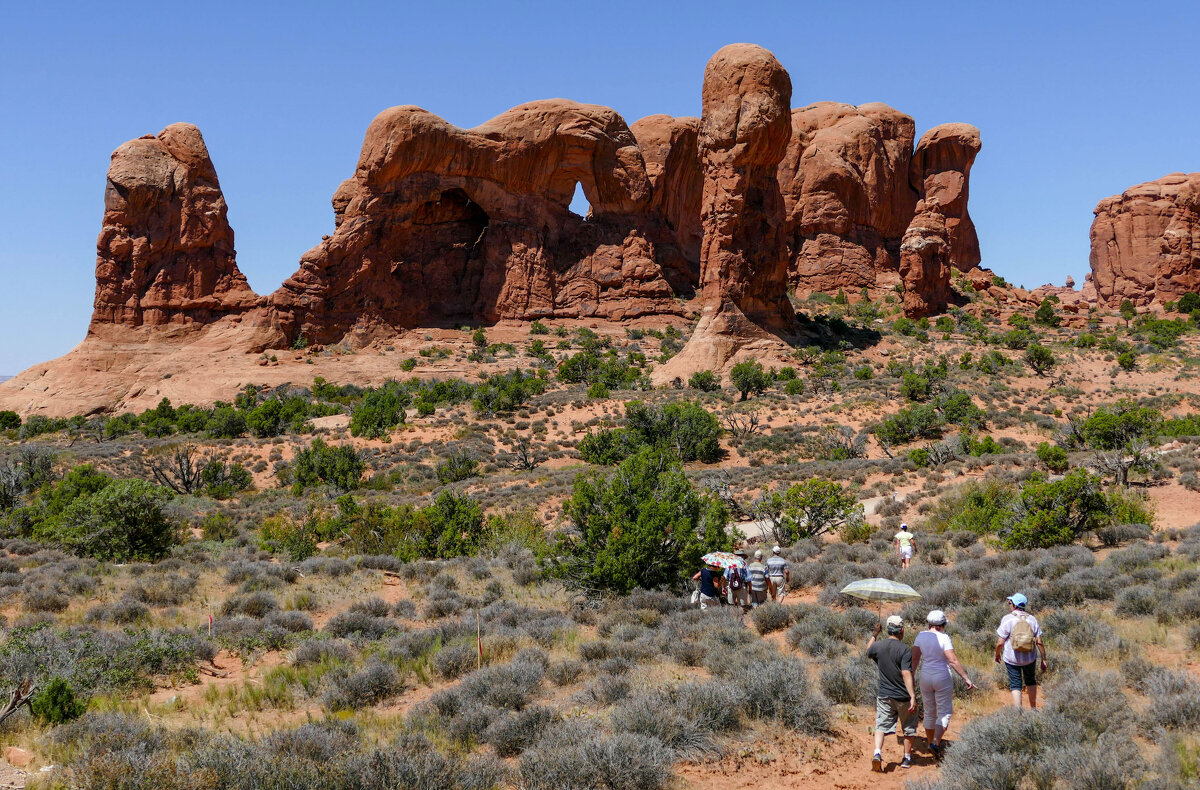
{"x": 1018, "y": 643}
{"x": 895, "y": 698}
{"x": 933, "y": 653}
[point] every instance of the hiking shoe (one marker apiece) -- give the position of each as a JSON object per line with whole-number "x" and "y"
{"x": 906, "y": 762}
{"x": 877, "y": 763}
{"x": 936, "y": 750}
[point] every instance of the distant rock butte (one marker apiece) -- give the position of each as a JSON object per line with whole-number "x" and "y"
{"x": 440, "y": 226}
{"x": 1146, "y": 242}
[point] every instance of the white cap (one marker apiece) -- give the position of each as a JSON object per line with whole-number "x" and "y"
{"x": 903, "y": 526}
{"x": 775, "y": 549}
{"x": 936, "y": 617}
{"x": 758, "y": 554}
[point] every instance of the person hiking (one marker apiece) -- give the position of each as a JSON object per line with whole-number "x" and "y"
{"x": 757, "y": 573}
{"x": 895, "y": 698}
{"x": 779, "y": 574}
{"x": 905, "y": 546}
{"x": 737, "y": 583}
{"x": 933, "y": 653}
{"x": 709, "y": 593}
{"x": 1018, "y": 643}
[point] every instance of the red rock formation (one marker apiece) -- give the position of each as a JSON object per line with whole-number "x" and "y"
{"x": 1146, "y": 242}
{"x": 444, "y": 224}
{"x": 845, "y": 181}
{"x": 851, "y": 181}
{"x": 669, "y": 147}
{"x": 941, "y": 172}
{"x": 925, "y": 261}
{"x": 165, "y": 253}
{"x": 744, "y": 131}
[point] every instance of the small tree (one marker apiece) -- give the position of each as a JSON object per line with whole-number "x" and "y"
{"x": 341, "y": 467}
{"x": 1127, "y": 360}
{"x": 1039, "y": 358}
{"x": 1128, "y": 311}
{"x": 55, "y": 703}
{"x": 644, "y": 525}
{"x": 705, "y": 381}
{"x": 1188, "y": 303}
{"x": 1052, "y": 457}
{"x": 9, "y": 420}
{"x": 748, "y": 377}
{"x": 125, "y": 520}
{"x": 459, "y": 465}
{"x": 1045, "y": 314}
{"x": 806, "y": 510}
{"x": 1054, "y": 514}
{"x": 176, "y": 467}
{"x": 1121, "y": 435}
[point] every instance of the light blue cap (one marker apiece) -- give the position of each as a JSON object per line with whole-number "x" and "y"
{"x": 1018, "y": 599}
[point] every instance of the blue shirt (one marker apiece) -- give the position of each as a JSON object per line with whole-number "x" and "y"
{"x": 706, "y": 583}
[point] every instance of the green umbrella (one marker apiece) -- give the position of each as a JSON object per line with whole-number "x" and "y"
{"x": 880, "y": 590}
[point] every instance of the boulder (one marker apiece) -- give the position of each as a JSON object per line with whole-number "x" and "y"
{"x": 165, "y": 253}
{"x": 941, "y": 173}
{"x": 925, "y": 261}
{"x": 1146, "y": 242}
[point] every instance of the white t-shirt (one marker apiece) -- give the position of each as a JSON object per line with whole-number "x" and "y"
{"x": 934, "y": 645}
{"x": 1005, "y": 631}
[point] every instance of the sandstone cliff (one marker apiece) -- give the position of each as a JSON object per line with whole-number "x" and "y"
{"x": 1146, "y": 242}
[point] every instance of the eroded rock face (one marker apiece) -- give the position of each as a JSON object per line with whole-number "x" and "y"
{"x": 744, "y": 132}
{"x": 1146, "y": 242}
{"x": 443, "y": 224}
{"x": 941, "y": 173}
{"x": 925, "y": 261}
{"x": 165, "y": 253}
{"x": 669, "y": 148}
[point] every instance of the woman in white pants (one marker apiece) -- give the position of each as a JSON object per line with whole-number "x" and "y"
{"x": 933, "y": 654}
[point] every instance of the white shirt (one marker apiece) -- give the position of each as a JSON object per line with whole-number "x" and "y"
{"x": 934, "y": 645}
{"x": 1005, "y": 631}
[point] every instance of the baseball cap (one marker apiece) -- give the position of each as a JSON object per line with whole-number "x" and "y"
{"x": 936, "y": 617}
{"x": 758, "y": 554}
{"x": 895, "y": 621}
{"x": 775, "y": 549}
{"x": 903, "y": 526}
{"x": 1018, "y": 600}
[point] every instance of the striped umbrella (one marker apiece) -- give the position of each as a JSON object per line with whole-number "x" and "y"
{"x": 880, "y": 590}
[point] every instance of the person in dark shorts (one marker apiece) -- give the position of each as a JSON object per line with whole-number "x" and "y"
{"x": 1018, "y": 643}
{"x": 896, "y": 700}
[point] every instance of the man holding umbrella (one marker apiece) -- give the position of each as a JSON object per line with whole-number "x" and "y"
{"x": 896, "y": 699}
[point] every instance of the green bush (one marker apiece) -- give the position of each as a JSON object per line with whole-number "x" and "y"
{"x": 645, "y": 525}
{"x": 380, "y": 411}
{"x": 1127, "y": 360}
{"x": 125, "y": 520}
{"x": 705, "y": 381}
{"x": 506, "y": 392}
{"x": 749, "y": 377}
{"x": 683, "y": 429}
{"x": 1046, "y": 514}
{"x": 921, "y": 421}
{"x": 459, "y": 465}
{"x": 340, "y": 467}
{"x": 977, "y": 506}
{"x": 610, "y": 447}
{"x": 9, "y": 420}
{"x": 55, "y": 703}
{"x": 807, "y": 509}
{"x": 1052, "y": 457}
{"x": 538, "y": 328}
{"x": 1045, "y": 314}
{"x": 1040, "y": 359}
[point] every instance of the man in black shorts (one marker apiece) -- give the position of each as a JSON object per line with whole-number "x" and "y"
{"x": 896, "y": 700}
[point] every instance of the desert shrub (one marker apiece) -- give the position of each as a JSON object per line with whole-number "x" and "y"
{"x": 360, "y": 625}
{"x": 570, "y": 757}
{"x": 666, "y": 525}
{"x": 1055, "y": 513}
{"x": 1052, "y": 457}
{"x": 565, "y": 672}
{"x": 317, "y": 651}
{"x": 512, "y": 733}
{"x": 921, "y": 421}
{"x": 1137, "y": 601}
{"x": 705, "y": 381}
{"x": 849, "y": 683}
{"x": 374, "y": 683}
{"x": 162, "y": 589}
{"x": 749, "y": 377}
{"x": 55, "y": 703}
{"x": 1116, "y": 534}
{"x": 457, "y": 466}
{"x": 774, "y": 687}
{"x": 122, "y": 612}
{"x": 657, "y": 715}
{"x": 1089, "y": 699}
{"x": 807, "y": 509}
{"x": 1175, "y": 700}
{"x": 506, "y": 392}
{"x": 340, "y": 467}
{"x": 509, "y": 686}
{"x": 456, "y": 660}
{"x": 256, "y": 604}
{"x": 771, "y": 616}
{"x": 380, "y": 410}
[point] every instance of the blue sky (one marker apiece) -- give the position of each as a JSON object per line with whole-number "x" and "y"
{"x": 1074, "y": 102}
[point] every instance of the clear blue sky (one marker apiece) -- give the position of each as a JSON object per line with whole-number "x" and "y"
{"x": 1075, "y": 102}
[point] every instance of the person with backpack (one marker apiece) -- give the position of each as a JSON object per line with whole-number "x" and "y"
{"x": 757, "y": 574}
{"x": 779, "y": 574}
{"x": 933, "y": 653}
{"x": 905, "y": 547}
{"x": 737, "y": 583}
{"x": 895, "y": 698}
{"x": 1018, "y": 643}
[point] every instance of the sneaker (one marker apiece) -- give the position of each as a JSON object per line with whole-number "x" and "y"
{"x": 877, "y": 763}
{"x": 936, "y": 750}
{"x": 906, "y": 762}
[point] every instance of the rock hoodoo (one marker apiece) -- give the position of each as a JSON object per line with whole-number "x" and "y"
{"x": 1146, "y": 242}
{"x": 941, "y": 173}
{"x": 925, "y": 261}
{"x": 744, "y": 130}
{"x": 165, "y": 253}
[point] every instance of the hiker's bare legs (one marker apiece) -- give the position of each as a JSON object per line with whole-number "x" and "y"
{"x": 929, "y": 736}
{"x": 1032, "y": 697}
{"x": 908, "y": 741}
{"x": 878, "y": 741}
{"x": 1016, "y": 698}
